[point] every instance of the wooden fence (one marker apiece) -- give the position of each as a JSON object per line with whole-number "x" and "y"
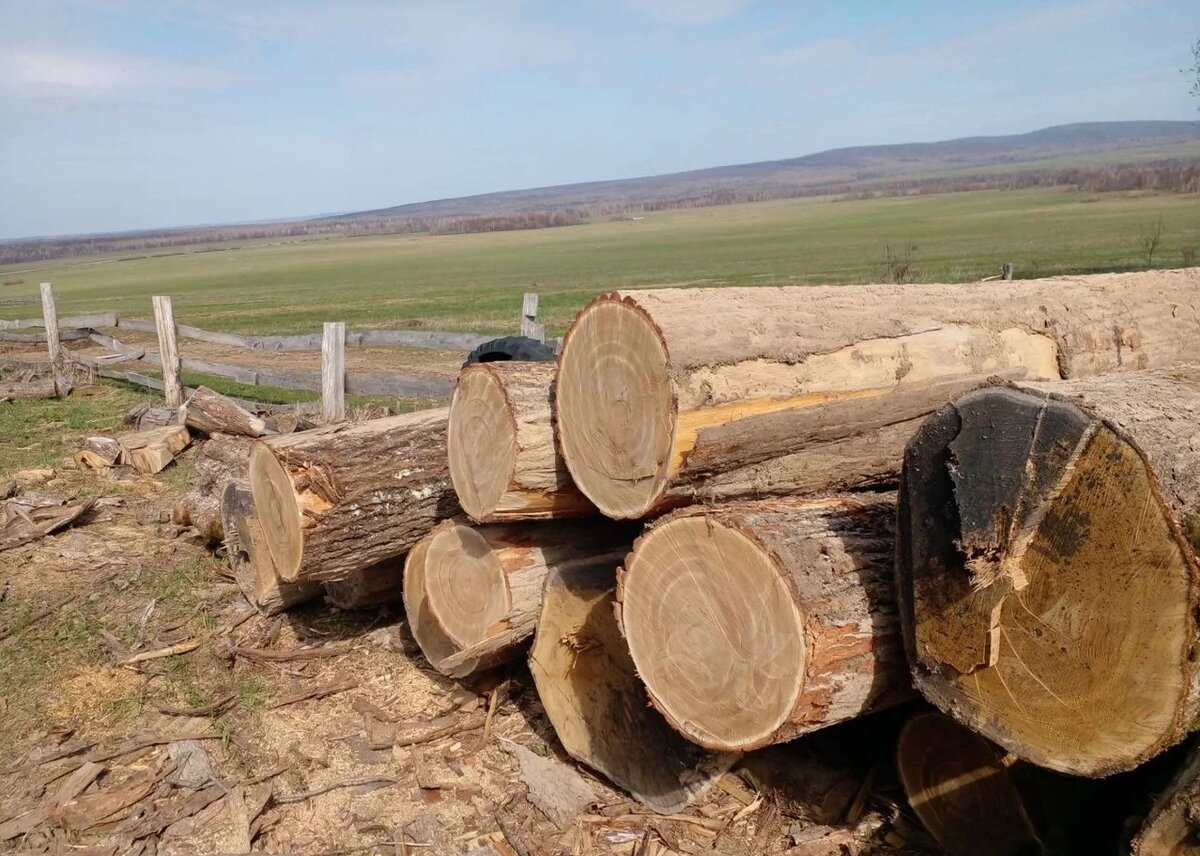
{"x": 332, "y": 380}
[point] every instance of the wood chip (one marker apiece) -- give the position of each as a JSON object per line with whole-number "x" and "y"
{"x": 284, "y": 799}
{"x": 268, "y": 656}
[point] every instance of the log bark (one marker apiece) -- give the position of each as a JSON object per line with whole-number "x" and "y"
{"x": 645, "y": 374}
{"x": 212, "y": 413}
{"x": 344, "y": 497}
{"x": 1047, "y": 566}
{"x": 152, "y": 451}
{"x": 476, "y": 592}
{"x": 598, "y": 707}
{"x": 144, "y": 417}
{"x": 222, "y": 459}
{"x": 99, "y": 453}
{"x": 1173, "y": 827}
{"x": 963, "y": 791}
{"x": 371, "y": 587}
{"x": 12, "y": 390}
{"x": 249, "y": 558}
{"x": 504, "y": 459}
{"x": 757, "y": 622}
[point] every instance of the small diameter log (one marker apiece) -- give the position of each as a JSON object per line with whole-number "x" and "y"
{"x": 222, "y": 459}
{"x": 152, "y": 451}
{"x": 371, "y": 587}
{"x": 1046, "y": 566}
{"x": 212, "y": 413}
{"x": 504, "y": 460}
{"x": 1173, "y": 826}
{"x": 476, "y": 592}
{"x": 963, "y": 791}
{"x": 145, "y": 417}
{"x": 644, "y": 375}
{"x": 757, "y": 622}
{"x": 249, "y": 558}
{"x": 344, "y": 497}
{"x": 46, "y": 388}
{"x": 598, "y": 707}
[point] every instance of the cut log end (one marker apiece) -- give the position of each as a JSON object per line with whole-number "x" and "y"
{"x": 481, "y": 442}
{"x": 961, "y": 790}
{"x": 277, "y": 510}
{"x": 1046, "y": 589}
{"x": 616, "y": 411}
{"x": 465, "y": 585}
{"x": 435, "y": 644}
{"x": 711, "y": 623}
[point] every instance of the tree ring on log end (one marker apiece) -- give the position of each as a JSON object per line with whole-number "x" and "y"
{"x": 465, "y": 585}
{"x": 425, "y": 628}
{"x": 715, "y": 632}
{"x": 481, "y": 441}
{"x": 616, "y": 407}
{"x": 277, "y": 510}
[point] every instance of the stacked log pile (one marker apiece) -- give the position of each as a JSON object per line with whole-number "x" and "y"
{"x": 835, "y": 501}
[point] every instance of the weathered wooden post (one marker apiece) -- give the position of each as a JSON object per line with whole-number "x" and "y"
{"x": 168, "y": 349}
{"x": 529, "y": 325}
{"x": 53, "y": 345}
{"x": 1006, "y": 272}
{"x": 333, "y": 371}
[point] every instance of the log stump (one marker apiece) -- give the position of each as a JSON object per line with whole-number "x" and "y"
{"x": 1047, "y": 569}
{"x": 646, "y": 376}
{"x": 504, "y": 459}
{"x": 757, "y": 622}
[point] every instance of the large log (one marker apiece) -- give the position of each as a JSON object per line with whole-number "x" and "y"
{"x": 344, "y": 497}
{"x": 757, "y": 622}
{"x": 504, "y": 459}
{"x": 473, "y": 594}
{"x": 250, "y": 559}
{"x": 1047, "y": 568}
{"x": 212, "y": 413}
{"x": 598, "y": 707}
{"x": 1173, "y": 826}
{"x": 646, "y": 375}
{"x": 221, "y": 459}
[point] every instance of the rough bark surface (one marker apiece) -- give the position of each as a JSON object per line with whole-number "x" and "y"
{"x": 249, "y": 558}
{"x": 757, "y": 622}
{"x": 1173, "y": 828}
{"x": 212, "y": 413}
{"x": 356, "y": 495}
{"x": 1047, "y": 566}
{"x": 221, "y": 459}
{"x": 371, "y": 587}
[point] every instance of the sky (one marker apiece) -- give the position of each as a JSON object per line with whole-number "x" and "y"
{"x": 125, "y": 114}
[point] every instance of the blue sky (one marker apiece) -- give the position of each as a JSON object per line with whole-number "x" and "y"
{"x": 121, "y": 114}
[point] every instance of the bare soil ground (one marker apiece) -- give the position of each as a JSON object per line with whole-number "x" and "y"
{"x": 147, "y": 709}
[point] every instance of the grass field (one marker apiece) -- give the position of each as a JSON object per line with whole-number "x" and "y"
{"x": 474, "y": 282}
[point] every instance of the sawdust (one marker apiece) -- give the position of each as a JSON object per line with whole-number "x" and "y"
{"x": 96, "y": 697}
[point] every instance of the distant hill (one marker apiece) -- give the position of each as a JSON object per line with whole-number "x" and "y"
{"x": 1095, "y": 156}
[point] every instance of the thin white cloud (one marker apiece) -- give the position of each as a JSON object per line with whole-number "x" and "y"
{"x": 39, "y": 73}
{"x": 688, "y": 13}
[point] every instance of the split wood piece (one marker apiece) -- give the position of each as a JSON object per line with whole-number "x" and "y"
{"x": 598, "y": 707}
{"x": 46, "y": 388}
{"x": 222, "y": 458}
{"x": 375, "y": 586}
{"x": 1173, "y": 827}
{"x": 344, "y": 497}
{"x": 476, "y": 592}
{"x": 212, "y": 413}
{"x": 504, "y": 459}
{"x": 644, "y": 373}
{"x": 963, "y": 791}
{"x": 251, "y": 561}
{"x": 152, "y": 451}
{"x": 757, "y": 622}
{"x": 1047, "y": 572}
{"x": 99, "y": 453}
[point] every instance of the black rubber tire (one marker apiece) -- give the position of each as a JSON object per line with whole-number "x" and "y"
{"x": 520, "y": 348}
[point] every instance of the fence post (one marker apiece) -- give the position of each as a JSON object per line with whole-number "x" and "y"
{"x": 1006, "y": 272}
{"x": 333, "y": 371}
{"x": 53, "y": 344}
{"x": 529, "y": 325}
{"x": 168, "y": 349}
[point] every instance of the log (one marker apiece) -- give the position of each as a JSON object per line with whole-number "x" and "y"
{"x": 598, "y": 707}
{"x": 152, "y": 451}
{"x": 1047, "y": 569}
{"x": 344, "y": 497}
{"x": 378, "y": 585}
{"x": 963, "y": 791}
{"x": 504, "y": 460}
{"x": 1172, "y": 827}
{"x": 249, "y": 558}
{"x": 212, "y": 413}
{"x": 99, "y": 453}
{"x": 756, "y": 622}
{"x": 222, "y": 458}
{"x": 45, "y": 388}
{"x": 645, "y": 374}
{"x": 476, "y": 592}
{"x": 145, "y": 417}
